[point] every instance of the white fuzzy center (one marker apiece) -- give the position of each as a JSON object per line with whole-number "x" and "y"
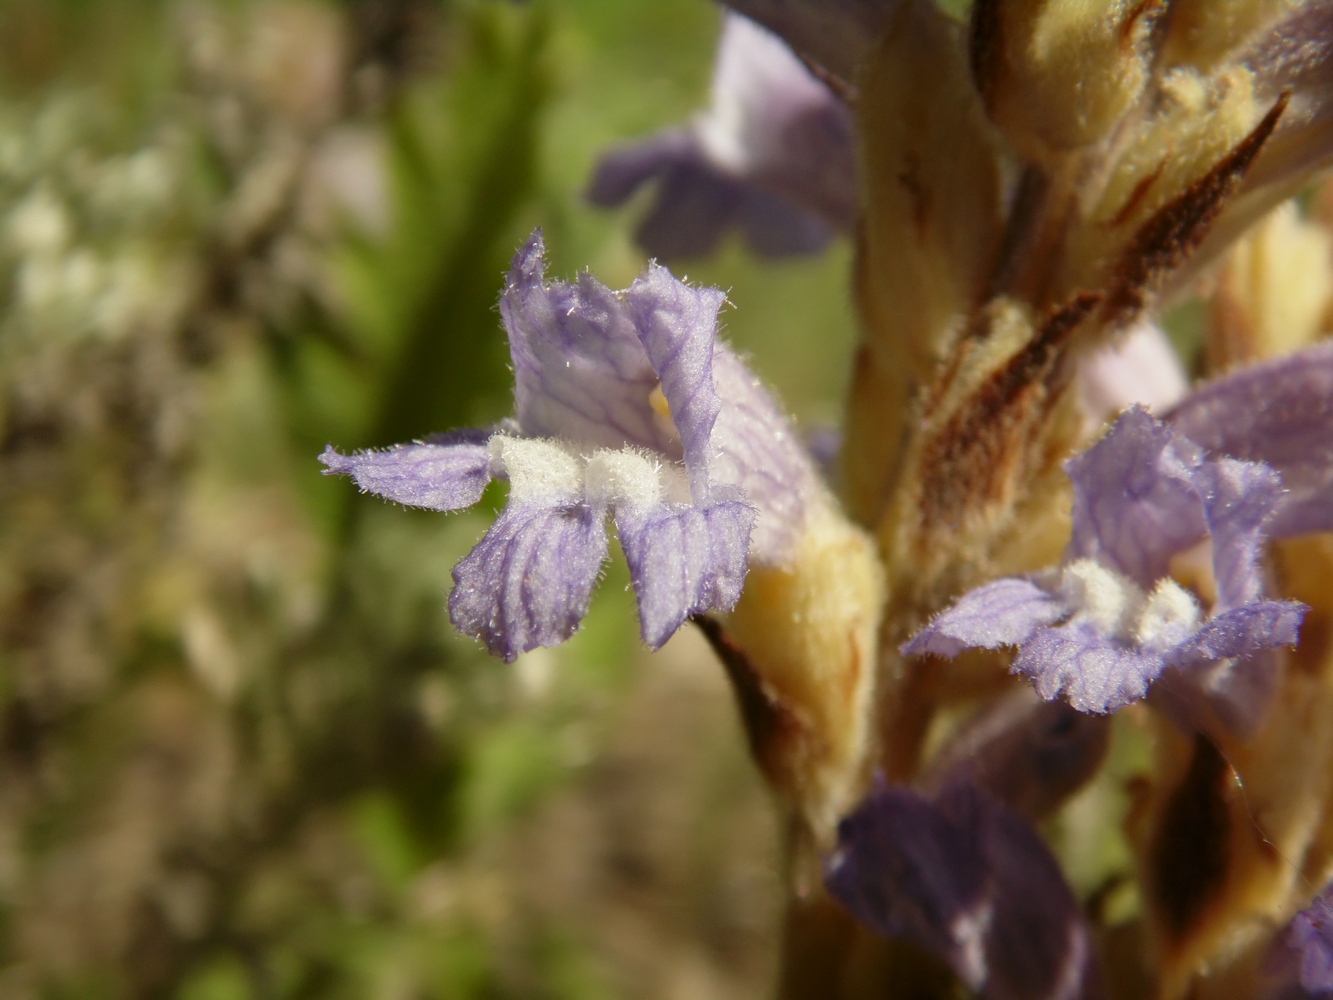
{"x": 1117, "y": 607}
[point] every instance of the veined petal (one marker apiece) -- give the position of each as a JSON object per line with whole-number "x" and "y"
{"x": 971, "y": 882}
{"x": 756, "y": 450}
{"x": 1244, "y": 630}
{"x": 449, "y": 472}
{"x": 1239, "y": 497}
{"x": 1135, "y": 500}
{"x": 1094, "y": 672}
{"x": 677, "y": 326}
{"x": 580, "y": 370}
{"x": 528, "y": 581}
{"x": 1280, "y": 413}
{"x": 684, "y": 561}
{"x": 1005, "y": 612}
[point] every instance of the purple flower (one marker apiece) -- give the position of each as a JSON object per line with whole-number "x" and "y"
{"x": 625, "y": 405}
{"x": 1110, "y": 620}
{"x": 773, "y": 157}
{"x": 1301, "y": 963}
{"x": 971, "y": 882}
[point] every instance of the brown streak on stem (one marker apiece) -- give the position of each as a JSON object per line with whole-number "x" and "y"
{"x": 1167, "y": 239}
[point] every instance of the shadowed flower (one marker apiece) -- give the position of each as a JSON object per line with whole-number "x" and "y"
{"x": 772, "y": 157}
{"x": 1301, "y": 963}
{"x": 1106, "y": 624}
{"x": 625, "y": 405}
{"x": 968, "y": 880}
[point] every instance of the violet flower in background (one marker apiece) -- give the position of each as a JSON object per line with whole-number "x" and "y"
{"x": 772, "y": 158}
{"x": 625, "y": 405}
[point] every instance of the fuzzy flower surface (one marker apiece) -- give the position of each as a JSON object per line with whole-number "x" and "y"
{"x": 1102, "y": 627}
{"x": 625, "y": 406}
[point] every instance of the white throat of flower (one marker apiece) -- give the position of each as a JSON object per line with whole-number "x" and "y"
{"x": 1117, "y": 607}
{"x": 551, "y": 472}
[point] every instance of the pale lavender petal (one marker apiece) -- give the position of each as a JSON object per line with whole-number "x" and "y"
{"x": 1005, "y": 612}
{"x": 580, "y": 370}
{"x": 677, "y": 326}
{"x": 1238, "y": 498}
{"x": 684, "y": 561}
{"x": 1093, "y": 672}
{"x": 1220, "y": 698}
{"x": 448, "y": 473}
{"x": 834, "y": 35}
{"x": 1245, "y": 630}
{"x": 1280, "y": 413}
{"x": 1139, "y": 368}
{"x": 625, "y": 169}
{"x": 756, "y": 449}
{"x": 1135, "y": 500}
{"x": 968, "y": 880}
{"x": 528, "y": 581}
{"x": 1029, "y": 754}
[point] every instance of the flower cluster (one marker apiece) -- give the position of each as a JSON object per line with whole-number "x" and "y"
{"x": 1032, "y": 185}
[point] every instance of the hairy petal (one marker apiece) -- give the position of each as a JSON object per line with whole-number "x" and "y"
{"x": 447, "y": 473}
{"x": 1135, "y": 500}
{"x": 684, "y": 561}
{"x": 677, "y": 325}
{"x": 528, "y": 581}
{"x": 580, "y": 370}
{"x": 756, "y": 449}
{"x": 1006, "y": 612}
{"x": 1280, "y": 413}
{"x": 1238, "y": 499}
{"x": 1301, "y": 963}
{"x": 1094, "y": 672}
{"x": 968, "y": 880}
{"x": 1245, "y": 630}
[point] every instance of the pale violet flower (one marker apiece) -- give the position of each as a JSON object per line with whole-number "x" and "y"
{"x": 772, "y": 157}
{"x": 625, "y": 405}
{"x": 966, "y": 878}
{"x": 1246, "y": 457}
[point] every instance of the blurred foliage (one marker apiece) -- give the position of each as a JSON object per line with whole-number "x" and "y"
{"x": 242, "y": 753}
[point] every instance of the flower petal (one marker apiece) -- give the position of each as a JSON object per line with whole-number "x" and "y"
{"x": 1093, "y": 672}
{"x": 677, "y": 326}
{"x": 1280, "y": 413}
{"x": 968, "y": 880}
{"x": 1245, "y": 630}
{"x": 1301, "y": 963}
{"x": 580, "y": 370}
{"x": 684, "y": 561}
{"x": 1135, "y": 500}
{"x": 528, "y": 581}
{"x": 1005, "y": 612}
{"x": 1239, "y": 497}
{"x": 1140, "y": 367}
{"x": 449, "y": 472}
{"x": 756, "y": 450}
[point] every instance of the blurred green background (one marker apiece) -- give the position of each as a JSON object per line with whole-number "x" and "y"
{"x": 242, "y": 754}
